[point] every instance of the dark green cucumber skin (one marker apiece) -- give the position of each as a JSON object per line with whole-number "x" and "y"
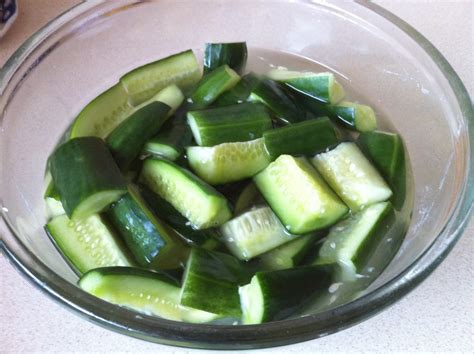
{"x": 82, "y": 167}
{"x": 127, "y": 140}
{"x": 377, "y": 146}
{"x": 232, "y": 123}
{"x": 239, "y": 93}
{"x": 211, "y": 282}
{"x": 285, "y": 291}
{"x": 303, "y": 138}
{"x": 210, "y": 88}
{"x": 168, "y": 213}
{"x": 345, "y": 115}
{"x": 140, "y": 233}
{"x": 283, "y": 106}
{"x": 218, "y": 54}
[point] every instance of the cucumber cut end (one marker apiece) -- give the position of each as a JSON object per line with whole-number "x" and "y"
{"x": 194, "y": 129}
{"x": 161, "y": 150}
{"x": 96, "y": 203}
{"x": 171, "y": 96}
{"x": 251, "y": 302}
{"x": 336, "y": 91}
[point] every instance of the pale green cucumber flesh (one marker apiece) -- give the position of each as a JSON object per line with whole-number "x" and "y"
{"x": 356, "y": 116}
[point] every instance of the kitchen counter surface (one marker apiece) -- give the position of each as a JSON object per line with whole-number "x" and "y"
{"x": 437, "y": 316}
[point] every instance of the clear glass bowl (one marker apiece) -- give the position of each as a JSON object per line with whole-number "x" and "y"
{"x": 395, "y": 69}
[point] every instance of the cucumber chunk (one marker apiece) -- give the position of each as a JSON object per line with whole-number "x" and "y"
{"x": 303, "y": 138}
{"x": 274, "y": 295}
{"x": 356, "y": 116}
{"x": 213, "y": 85}
{"x": 351, "y": 240}
{"x": 152, "y": 242}
{"x": 283, "y": 106}
{"x": 248, "y": 197}
{"x": 86, "y": 176}
{"x": 218, "y": 54}
{"x": 211, "y": 280}
{"x": 228, "y": 162}
{"x": 321, "y": 86}
{"x": 172, "y": 96}
{"x": 144, "y": 291}
{"x": 352, "y": 176}
{"x": 201, "y": 204}
{"x": 240, "y": 122}
{"x": 127, "y": 140}
{"x": 288, "y": 255}
{"x": 54, "y": 207}
{"x": 298, "y": 195}
{"x": 88, "y": 243}
{"x": 143, "y": 83}
{"x": 388, "y": 154}
{"x": 239, "y": 93}
{"x": 253, "y": 233}
{"x": 102, "y": 114}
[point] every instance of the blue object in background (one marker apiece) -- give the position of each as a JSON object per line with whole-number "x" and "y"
{"x": 8, "y": 13}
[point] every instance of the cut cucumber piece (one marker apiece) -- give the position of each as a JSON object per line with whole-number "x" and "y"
{"x": 298, "y": 195}
{"x": 201, "y": 204}
{"x": 152, "y": 242}
{"x": 228, "y": 162}
{"x": 303, "y": 138}
{"x": 211, "y": 280}
{"x": 388, "y": 154}
{"x": 253, "y": 233}
{"x": 240, "y": 122}
{"x": 288, "y": 255}
{"x": 127, "y": 140}
{"x": 143, "y": 83}
{"x": 102, "y": 114}
{"x": 201, "y": 238}
{"x": 248, "y": 197}
{"x": 172, "y": 96}
{"x": 50, "y": 190}
{"x": 88, "y": 243}
{"x": 86, "y": 176}
{"x": 322, "y": 86}
{"x": 280, "y": 103}
{"x": 54, "y": 208}
{"x": 356, "y": 116}
{"x": 213, "y": 85}
{"x": 144, "y": 291}
{"x": 171, "y": 140}
{"x": 352, "y": 176}
{"x": 274, "y": 295}
{"x": 218, "y": 54}
{"x": 350, "y": 241}
{"x": 239, "y": 93}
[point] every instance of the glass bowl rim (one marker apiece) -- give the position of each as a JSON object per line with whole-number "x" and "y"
{"x": 274, "y": 333}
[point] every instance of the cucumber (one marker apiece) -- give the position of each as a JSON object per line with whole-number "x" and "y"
{"x": 212, "y": 85}
{"x": 388, "y": 154}
{"x": 228, "y": 162}
{"x": 218, "y": 54}
{"x": 283, "y": 106}
{"x": 321, "y": 86}
{"x": 288, "y": 255}
{"x": 211, "y": 280}
{"x": 355, "y": 116}
{"x": 172, "y": 96}
{"x": 50, "y": 190}
{"x": 127, "y": 140}
{"x": 248, "y": 197}
{"x": 54, "y": 207}
{"x": 141, "y": 290}
{"x": 298, "y": 195}
{"x": 152, "y": 243}
{"x": 201, "y": 204}
{"x": 86, "y": 176}
{"x": 302, "y": 138}
{"x": 253, "y": 233}
{"x": 143, "y": 83}
{"x": 102, "y": 114}
{"x": 350, "y": 241}
{"x": 274, "y": 295}
{"x": 240, "y": 122}
{"x": 170, "y": 141}
{"x": 164, "y": 210}
{"x": 352, "y": 176}
{"x": 239, "y": 93}
{"x": 88, "y": 243}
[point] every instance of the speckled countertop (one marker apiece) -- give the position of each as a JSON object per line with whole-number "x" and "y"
{"x": 437, "y": 316}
